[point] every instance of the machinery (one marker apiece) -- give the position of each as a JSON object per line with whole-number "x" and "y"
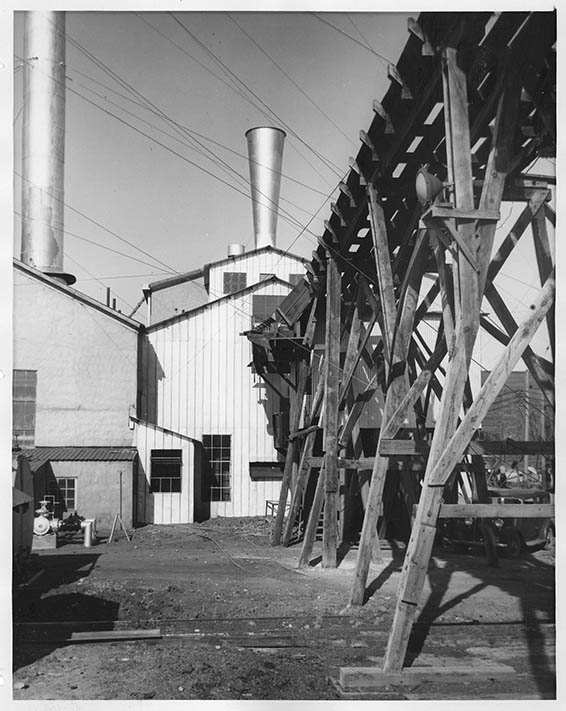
{"x": 46, "y": 526}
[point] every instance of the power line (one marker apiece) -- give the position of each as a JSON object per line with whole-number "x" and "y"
{"x": 283, "y": 213}
{"x": 106, "y": 229}
{"x": 361, "y": 44}
{"x": 204, "y": 152}
{"x": 96, "y": 244}
{"x": 95, "y": 278}
{"x": 192, "y": 131}
{"x": 327, "y": 162}
{"x": 303, "y": 92}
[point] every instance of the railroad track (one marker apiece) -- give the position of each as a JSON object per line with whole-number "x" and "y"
{"x": 312, "y": 631}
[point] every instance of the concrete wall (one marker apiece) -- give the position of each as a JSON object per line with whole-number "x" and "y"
{"x": 98, "y": 489}
{"x": 86, "y": 362}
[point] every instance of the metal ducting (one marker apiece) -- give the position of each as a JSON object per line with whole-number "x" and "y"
{"x": 265, "y": 153}
{"x": 43, "y": 153}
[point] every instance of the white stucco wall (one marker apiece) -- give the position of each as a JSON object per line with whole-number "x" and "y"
{"x": 86, "y": 363}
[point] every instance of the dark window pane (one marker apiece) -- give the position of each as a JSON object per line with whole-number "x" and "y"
{"x": 234, "y": 281}
{"x": 263, "y": 307}
{"x": 24, "y": 406}
{"x": 166, "y": 470}
{"x": 217, "y": 456}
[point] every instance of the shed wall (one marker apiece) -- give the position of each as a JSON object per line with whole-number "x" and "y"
{"x": 165, "y": 508}
{"x": 98, "y": 489}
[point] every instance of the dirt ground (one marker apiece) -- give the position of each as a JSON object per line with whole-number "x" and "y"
{"x": 238, "y": 620}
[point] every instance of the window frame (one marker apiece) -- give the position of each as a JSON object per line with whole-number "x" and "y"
{"x": 58, "y": 490}
{"x": 217, "y": 444}
{"x": 24, "y": 436}
{"x": 157, "y": 481}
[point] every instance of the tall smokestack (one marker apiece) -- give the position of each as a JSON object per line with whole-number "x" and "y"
{"x": 265, "y": 153}
{"x": 43, "y": 154}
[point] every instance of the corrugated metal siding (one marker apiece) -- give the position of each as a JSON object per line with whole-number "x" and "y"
{"x": 204, "y": 386}
{"x": 40, "y": 455}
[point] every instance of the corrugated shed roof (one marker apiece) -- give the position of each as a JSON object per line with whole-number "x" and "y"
{"x": 37, "y": 456}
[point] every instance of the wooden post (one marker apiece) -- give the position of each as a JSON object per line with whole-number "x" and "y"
{"x": 545, "y": 266}
{"x": 399, "y": 339}
{"x": 436, "y": 476}
{"x": 296, "y": 408}
{"x": 332, "y": 378}
{"x": 312, "y": 523}
{"x": 467, "y": 305}
{"x": 294, "y": 421}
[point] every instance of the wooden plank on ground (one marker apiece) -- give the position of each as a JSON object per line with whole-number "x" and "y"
{"x": 113, "y": 635}
{"x": 374, "y": 678}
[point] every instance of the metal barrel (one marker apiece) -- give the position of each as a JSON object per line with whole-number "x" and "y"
{"x": 265, "y": 154}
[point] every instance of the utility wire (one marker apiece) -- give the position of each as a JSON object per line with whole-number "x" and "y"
{"x": 285, "y": 74}
{"x": 204, "y": 152}
{"x": 136, "y": 93}
{"x": 381, "y": 57}
{"x": 91, "y": 275}
{"x": 96, "y": 244}
{"x": 329, "y": 164}
{"x": 304, "y": 229}
{"x": 192, "y": 131}
{"x": 106, "y": 229}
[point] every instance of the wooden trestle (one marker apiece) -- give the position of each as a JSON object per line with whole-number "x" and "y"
{"x": 472, "y": 98}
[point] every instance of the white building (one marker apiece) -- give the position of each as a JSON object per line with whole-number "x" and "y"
{"x": 206, "y": 433}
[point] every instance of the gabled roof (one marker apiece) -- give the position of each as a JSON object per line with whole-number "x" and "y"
{"x": 76, "y": 295}
{"x": 261, "y": 250}
{"x": 203, "y": 271}
{"x": 38, "y": 456}
{"x": 226, "y": 297}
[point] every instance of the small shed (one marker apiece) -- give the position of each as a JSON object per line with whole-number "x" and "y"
{"x": 97, "y": 482}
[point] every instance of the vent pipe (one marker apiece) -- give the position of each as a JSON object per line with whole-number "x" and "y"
{"x": 43, "y": 139}
{"x": 265, "y": 153}
{"x": 235, "y": 250}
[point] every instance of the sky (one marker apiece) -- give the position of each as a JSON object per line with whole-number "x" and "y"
{"x": 157, "y": 106}
{"x": 180, "y": 193}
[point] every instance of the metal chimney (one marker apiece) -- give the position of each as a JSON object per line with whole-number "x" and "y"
{"x": 265, "y": 153}
{"x": 43, "y": 152}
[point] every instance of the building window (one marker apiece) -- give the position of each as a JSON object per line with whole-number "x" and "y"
{"x": 217, "y": 456}
{"x": 263, "y": 307}
{"x": 294, "y": 279}
{"x": 24, "y": 396}
{"x": 64, "y": 492}
{"x": 234, "y": 281}
{"x": 166, "y": 471}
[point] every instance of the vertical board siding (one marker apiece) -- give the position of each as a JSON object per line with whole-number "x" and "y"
{"x": 166, "y": 508}
{"x": 253, "y": 264}
{"x": 207, "y": 386}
